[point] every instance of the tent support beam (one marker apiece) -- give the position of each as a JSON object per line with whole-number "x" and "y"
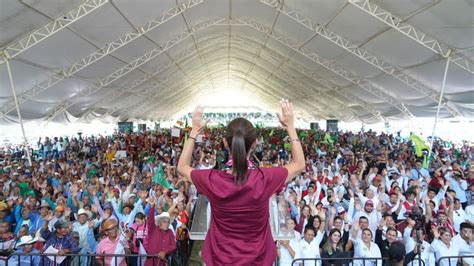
{"x": 361, "y": 53}
{"x": 362, "y": 83}
{"x": 439, "y": 106}
{"x": 63, "y": 106}
{"x": 12, "y": 83}
{"x": 418, "y": 36}
{"x": 104, "y": 51}
{"x": 16, "y": 48}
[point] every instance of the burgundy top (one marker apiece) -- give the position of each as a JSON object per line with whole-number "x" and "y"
{"x": 157, "y": 240}
{"x": 239, "y": 232}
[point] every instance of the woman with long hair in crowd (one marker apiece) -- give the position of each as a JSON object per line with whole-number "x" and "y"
{"x": 334, "y": 248}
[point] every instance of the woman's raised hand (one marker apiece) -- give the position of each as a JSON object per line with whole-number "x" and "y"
{"x": 198, "y": 122}
{"x": 287, "y": 114}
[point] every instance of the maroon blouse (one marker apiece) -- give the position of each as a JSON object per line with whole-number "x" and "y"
{"x": 239, "y": 232}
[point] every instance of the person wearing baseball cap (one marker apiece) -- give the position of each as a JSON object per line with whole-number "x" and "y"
{"x": 59, "y": 239}
{"x": 372, "y": 215}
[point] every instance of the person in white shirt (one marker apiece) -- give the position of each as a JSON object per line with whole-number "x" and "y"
{"x": 391, "y": 167}
{"x": 374, "y": 216}
{"x": 288, "y": 250}
{"x": 312, "y": 197}
{"x": 458, "y": 184}
{"x": 290, "y": 222}
{"x": 443, "y": 246}
{"x": 459, "y": 215}
{"x": 309, "y": 245}
{"x": 364, "y": 247}
{"x": 435, "y": 197}
{"x": 470, "y": 210}
{"x": 464, "y": 242}
{"x": 410, "y": 239}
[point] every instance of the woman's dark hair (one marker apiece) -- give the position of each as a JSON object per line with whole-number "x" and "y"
{"x": 368, "y": 230}
{"x": 392, "y": 229}
{"x": 140, "y": 216}
{"x": 240, "y": 135}
{"x": 328, "y": 245}
{"x": 312, "y": 218}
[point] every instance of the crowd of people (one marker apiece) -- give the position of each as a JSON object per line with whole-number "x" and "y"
{"x": 361, "y": 195}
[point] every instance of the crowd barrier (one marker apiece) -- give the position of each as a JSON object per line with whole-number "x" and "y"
{"x": 456, "y": 260}
{"x": 137, "y": 259}
{"x": 78, "y": 259}
{"x": 340, "y": 261}
{"x": 465, "y": 260}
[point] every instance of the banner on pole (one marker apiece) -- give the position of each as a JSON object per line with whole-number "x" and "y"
{"x": 175, "y": 132}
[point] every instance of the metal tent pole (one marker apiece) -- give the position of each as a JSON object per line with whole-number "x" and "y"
{"x": 439, "y": 105}
{"x": 7, "y": 61}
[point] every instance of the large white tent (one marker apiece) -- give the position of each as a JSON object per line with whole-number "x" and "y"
{"x": 356, "y": 60}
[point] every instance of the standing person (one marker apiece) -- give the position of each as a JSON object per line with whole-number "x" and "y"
{"x": 160, "y": 238}
{"x": 334, "y": 248}
{"x": 110, "y": 245}
{"x": 365, "y": 248}
{"x": 443, "y": 246}
{"x": 309, "y": 245}
{"x": 29, "y": 255}
{"x": 241, "y": 193}
{"x": 60, "y": 239}
{"x": 464, "y": 241}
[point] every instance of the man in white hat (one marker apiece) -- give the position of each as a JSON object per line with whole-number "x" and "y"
{"x": 160, "y": 239}
{"x": 84, "y": 227}
{"x": 29, "y": 255}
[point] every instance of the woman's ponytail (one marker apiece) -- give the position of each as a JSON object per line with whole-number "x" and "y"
{"x": 240, "y": 135}
{"x": 239, "y": 157}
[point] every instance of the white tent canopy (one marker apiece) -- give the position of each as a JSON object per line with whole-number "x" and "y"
{"x": 355, "y": 60}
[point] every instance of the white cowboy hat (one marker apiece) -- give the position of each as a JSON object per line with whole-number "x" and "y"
{"x": 82, "y": 211}
{"x": 24, "y": 240}
{"x": 163, "y": 215}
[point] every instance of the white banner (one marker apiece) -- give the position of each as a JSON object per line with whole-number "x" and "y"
{"x": 175, "y": 132}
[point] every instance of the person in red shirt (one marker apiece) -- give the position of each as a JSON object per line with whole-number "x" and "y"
{"x": 160, "y": 238}
{"x": 239, "y": 231}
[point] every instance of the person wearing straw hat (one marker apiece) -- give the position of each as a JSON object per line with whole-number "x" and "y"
{"x": 29, "y": 255}
{"x": 5, "y": 213}
{"x": 110, "y": 244}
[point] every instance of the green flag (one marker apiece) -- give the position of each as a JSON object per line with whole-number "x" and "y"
{"x": 303, "y": 134}
{"x": 185, "y": 139}
{"x": 328, "y": 140}
{"x": 151, "y": 159}
{"x": 419, "y": 143}
{"x": 456, "y": 152}
{"x": 425, "y": 161}
{"x": 159, "y": 178}
{"x": 25, "y": 190}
